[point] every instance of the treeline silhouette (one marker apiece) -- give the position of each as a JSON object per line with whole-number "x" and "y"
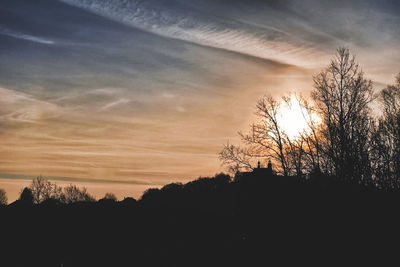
{"x": 251, "y": 219}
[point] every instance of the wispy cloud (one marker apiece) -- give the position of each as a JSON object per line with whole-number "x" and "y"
{"x": 27, "y": 37}
{"x": 73, "y": 179}
{"x": 262, "y": 42}
{"x": 120, "y": 101}
{"x": 21, "y": 107}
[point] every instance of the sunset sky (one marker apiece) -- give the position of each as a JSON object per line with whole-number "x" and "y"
{"x": 122, "y": 95}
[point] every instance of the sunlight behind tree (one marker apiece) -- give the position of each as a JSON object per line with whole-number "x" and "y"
{"x": 291, "y": 117}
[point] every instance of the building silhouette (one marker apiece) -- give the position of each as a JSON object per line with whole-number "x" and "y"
{"x": 256, "y": 173}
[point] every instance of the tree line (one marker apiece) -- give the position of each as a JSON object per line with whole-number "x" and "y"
{"x": 343, "y": 138}
{"x": 211, "y": 221}
{"x": 41, "y": 190}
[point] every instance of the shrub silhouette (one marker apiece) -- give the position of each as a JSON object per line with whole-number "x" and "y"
{"x": 26, "y": 196}
{"x": 3, "y": 197}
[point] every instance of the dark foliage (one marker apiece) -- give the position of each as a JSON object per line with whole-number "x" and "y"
{"x": 255, "y": 220}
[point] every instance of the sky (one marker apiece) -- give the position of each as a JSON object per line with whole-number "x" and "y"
{"x": 124, "y": 95}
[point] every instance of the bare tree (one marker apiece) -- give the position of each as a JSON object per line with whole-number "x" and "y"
{"x": 386, "y": 139}
{"x": 3, "y": 197}
{"x": 337, "y": 134}
{"x": 268, "y": 135}
{"x": 294, "y": 150}
{"x": 72, "y": 194}
{"x": 342, "y": 95}
{"x": 42, "y": 190}
{"x": 265, "y": 140}
{"x": 237, "y": 158}
{"x": 303, "y": 150}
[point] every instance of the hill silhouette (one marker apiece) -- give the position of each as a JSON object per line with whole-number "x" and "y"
{"x": 249, "y": 220}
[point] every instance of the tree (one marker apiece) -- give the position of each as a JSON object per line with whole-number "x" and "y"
{"x": 26, "y": 196}
{"x": 266, "y": 140}
{"x": 72, "y": 194}
{"x": 311, "y": 138}
{"x": 237, "y": 158}
{"x": 386, "y": 139}
{"x": 42, "y": 190}
{"x": 3, "y": 197}
{"x": 342, "y": 95}
{"x": 110, "y": 196}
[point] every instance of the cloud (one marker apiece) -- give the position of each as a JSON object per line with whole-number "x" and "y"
{"x": 262, "y": 42}
{"x": 118, "y": 102}
{"x": 20, "y": 107}
{"x": 27, "y": 37}
{"x": 73, "y": 179}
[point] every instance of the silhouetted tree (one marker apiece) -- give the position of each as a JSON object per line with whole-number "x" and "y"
{"x": 72, "y": 194}
{"x": 110, "y": 196}
{"x": 337, "y": 138}
{"x": 311, "y": 138}
{"x": 3, "y": 197}
{"x": 174, "y": 188}
{"x": 151, "y": 197}
{"x": 222, "y": 178}
{"x": 266, "y": 139}
{"x": 129, "y": 202}
{"x": 342, "y": 95}
{"x": 237, "y": 158}
{"x": 42, "y": 189}
{"x": 385, "y": 143}
{"x": 26, "y": 196}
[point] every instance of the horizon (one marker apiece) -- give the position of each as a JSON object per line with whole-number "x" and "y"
{"x": 143, "y": 94}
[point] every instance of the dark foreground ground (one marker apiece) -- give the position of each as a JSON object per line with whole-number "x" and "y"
{"x": 259, "y": 221}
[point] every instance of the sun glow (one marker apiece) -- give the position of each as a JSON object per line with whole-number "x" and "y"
{"x": 292, "y": 118}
